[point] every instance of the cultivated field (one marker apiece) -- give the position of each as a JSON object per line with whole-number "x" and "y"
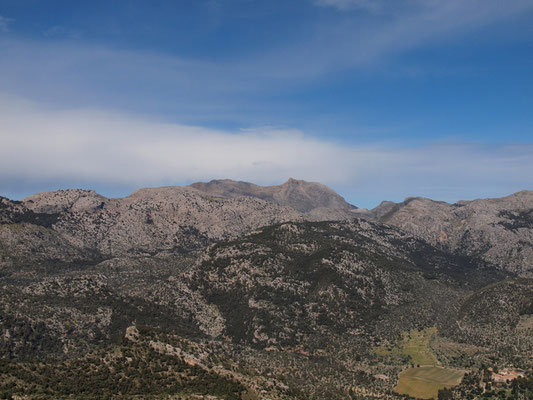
{"x": 414, "y": 344}
{"x": 425, "y": 382}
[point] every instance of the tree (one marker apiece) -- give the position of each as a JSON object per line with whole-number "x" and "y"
{"x": 445, "y": 394}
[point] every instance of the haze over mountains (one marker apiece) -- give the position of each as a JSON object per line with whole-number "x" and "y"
{"x": 221, "y": 288}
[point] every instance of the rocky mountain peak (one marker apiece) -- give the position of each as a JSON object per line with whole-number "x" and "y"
{"x": 307, "y": 197}
{"x": 292, "y": 181}
{"x": 499, "y": 230}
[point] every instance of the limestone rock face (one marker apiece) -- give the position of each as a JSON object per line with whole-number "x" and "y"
{"x": 153, "y": 220}
{"x": 182, "y": 218}
{"x": 26, "y": 237}
{"x": 65, "y": 200}
{"x": 498, "y": 230}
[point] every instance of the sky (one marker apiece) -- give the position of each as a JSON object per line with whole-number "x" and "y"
{"x": 379, "y": 99}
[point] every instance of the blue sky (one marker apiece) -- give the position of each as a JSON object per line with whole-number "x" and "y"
{"x": 380, "y": 99}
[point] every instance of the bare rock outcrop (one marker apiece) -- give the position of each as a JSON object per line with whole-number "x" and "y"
{"x": 70, "y": 200}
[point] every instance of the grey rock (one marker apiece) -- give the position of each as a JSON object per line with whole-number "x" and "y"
{"x": 498, "y": 230}
{"x": 306, "y": 197}
{"x": 183, "y": 218}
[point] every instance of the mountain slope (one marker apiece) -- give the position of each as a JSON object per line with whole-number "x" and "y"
{"x": 249, "y": 298}
{"x": 312, "y": 298}
{"x": 181, "y": 218}
{"x": 498, "y": 230}
{"x": 154, "y": 220}
{"x": 331, "y": 278}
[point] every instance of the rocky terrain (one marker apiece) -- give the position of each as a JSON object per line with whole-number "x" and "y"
{"x": 154, "y": 220}
{"x": 228, "y": 290}
{"x": 318, "y": 201}
{"x": 325, "y": 279}
{"x": 498, "y": 230}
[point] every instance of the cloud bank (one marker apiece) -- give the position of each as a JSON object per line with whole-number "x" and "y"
{"x": 93, "y": 148}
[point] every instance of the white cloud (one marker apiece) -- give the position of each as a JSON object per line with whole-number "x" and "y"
{"x": 105, "y": 149}
{"x": 362, "y": 39}
{"x": 4, "y": 24}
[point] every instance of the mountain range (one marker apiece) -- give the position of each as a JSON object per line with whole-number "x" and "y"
{"x": 233, "y": 290}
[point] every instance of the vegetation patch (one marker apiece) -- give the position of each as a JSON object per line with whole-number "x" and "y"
{"x": 516, "y": 219}
{"x": 132, "y": 370}
{"x": 414, "y": 345}
{"x": 425, "y": 382}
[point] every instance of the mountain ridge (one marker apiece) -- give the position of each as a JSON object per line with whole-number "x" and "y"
{"x": 160, "y": 219}
{"x": 500, "y": 230}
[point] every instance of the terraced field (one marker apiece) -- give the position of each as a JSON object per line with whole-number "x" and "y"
{"x": 425, "y": 382}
